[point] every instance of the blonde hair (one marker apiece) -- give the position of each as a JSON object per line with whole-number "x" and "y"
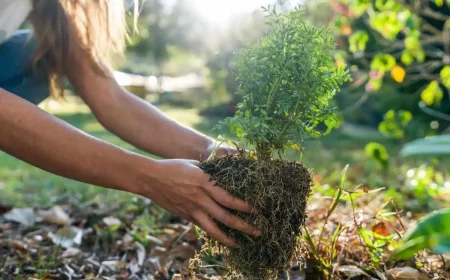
{"x": 96, "y": 27}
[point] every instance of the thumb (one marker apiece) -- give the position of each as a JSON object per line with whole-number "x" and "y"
{"x": 194, "y": 162}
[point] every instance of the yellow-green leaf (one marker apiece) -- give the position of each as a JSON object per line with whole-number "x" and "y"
{"x": 358, "y": 41}
{"x": 378, "y": 153}
{"x": 439, "y": 3}
{"x": 383, "y": 63}
{"x": 432, "y": 94}
{"x": 445, "y": 76}
{"x": 407, "y": 58}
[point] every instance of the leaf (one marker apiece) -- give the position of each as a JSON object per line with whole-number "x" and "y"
{"x": 383, "y": 63}
{"x": 445, "y": 76}
{"x": 432, "y": 94}
{"x": 67, "y": 237}
{"x": 438, "y": 222}
{"x": 55, "y": 215}
{"x": 331, "y": 123}
{"x": 439, "y": 3}
{"x": 407, "y": 58}
{"x": 430, "y": 146}
{"x": 24, "y": 216}
{"x": 405, "y": 273}
{"x": 398, "y": 74}
{"x": 358, "y": 41}
{"x": 377, "y": 152}
{"x": 365, "y": 236}
{"x": 112, "y": 223}
{"x": 431, "y": 232}
{"x": 338, "y": 196}
{"x": 408, "y": 249}
{"x": 352, "y": 272}
{"x": 381, "y": 229}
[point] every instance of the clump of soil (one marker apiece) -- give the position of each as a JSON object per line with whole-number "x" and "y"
{"x": 279, "y": 190}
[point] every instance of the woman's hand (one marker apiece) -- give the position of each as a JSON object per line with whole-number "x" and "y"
{"x": 182, "y": 188}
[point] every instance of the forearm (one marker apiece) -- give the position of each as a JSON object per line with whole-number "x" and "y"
{"x": 28, "y": 133}
{"x": 140, "y": 123}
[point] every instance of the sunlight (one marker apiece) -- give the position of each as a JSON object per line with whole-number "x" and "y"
{"x": 220, "y": 11}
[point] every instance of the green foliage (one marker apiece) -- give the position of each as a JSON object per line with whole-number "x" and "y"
{"x": 394, "y": 123}
{"x": 358, "y": 41}
{"x": 326, "y": 260}
{"x": 432, "y": 232}
{"x": 436, "y": 146}
{"x": 404, "y": 55}
{"x": 432, "y": 94}
{"x": 378, "y": 153}
{"x": 445, "y": 76}
{"x": 286, "y": 81}
{"x": 383, "y": 63}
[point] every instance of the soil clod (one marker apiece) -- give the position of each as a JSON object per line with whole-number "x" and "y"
{"x": 279, "y": 190}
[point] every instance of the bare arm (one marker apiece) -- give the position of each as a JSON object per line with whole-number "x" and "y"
{"x": 137, "y": 121}
{"x": 179, "y": 186}
{"x": 42, "y": 140}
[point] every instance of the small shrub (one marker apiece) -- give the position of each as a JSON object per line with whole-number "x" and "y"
{"x": 286, "y": 81}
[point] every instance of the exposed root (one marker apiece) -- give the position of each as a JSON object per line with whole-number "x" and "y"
{"x": 280, "y": 190}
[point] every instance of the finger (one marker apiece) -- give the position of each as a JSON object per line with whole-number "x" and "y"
{"x": 194, "y": 162}
{"x": 212, "y": 230}
{"x": 227, "y": 200}
{"x": 228, "y": 219}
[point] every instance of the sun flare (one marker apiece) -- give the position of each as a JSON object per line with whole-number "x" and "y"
{"x": 220, "y": 11}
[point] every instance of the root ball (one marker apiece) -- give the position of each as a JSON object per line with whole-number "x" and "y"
{"x": 279, "y": 190}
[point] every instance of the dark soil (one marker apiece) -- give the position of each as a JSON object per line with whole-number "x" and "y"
{"x": 279, "y": 190}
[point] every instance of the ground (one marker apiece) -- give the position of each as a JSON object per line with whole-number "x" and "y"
{"x": 104, "y": 234}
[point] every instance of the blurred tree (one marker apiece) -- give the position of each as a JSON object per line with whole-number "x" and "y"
{"x": 162, "y": 26}
{"x": 400, "y": 55}
{"x": 243, "y": 29}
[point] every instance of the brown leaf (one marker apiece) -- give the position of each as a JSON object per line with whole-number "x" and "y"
{"x": 352, "y": 271}
{"x": 182, "y": 251}
{"x": 55, "y": 215}
{"x": 381, "y": 229}
{"x": 405, "y": 273}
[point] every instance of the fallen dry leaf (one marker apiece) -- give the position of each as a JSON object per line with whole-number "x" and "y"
{"x": 405, "y": 273}
{"x": 67, "y": 237}
{"x": 54, "y": 215}
{"x": 381, "y": 229}
{"x": 154, "y": 240}
{"x": 352, "y": 271}
{"x": 112, "y": 222}
{"x": 71, "y": 252}
{"x": 140, "y": 252}
{"x": 24, "y": 216}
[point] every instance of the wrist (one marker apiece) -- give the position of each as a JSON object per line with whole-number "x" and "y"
{"x": 138, "y": 169}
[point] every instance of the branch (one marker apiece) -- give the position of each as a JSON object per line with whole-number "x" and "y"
{"x": 433, "y": 14}
{"x": 428, "y": 27}
{"x": 433, "y": 112}
{"x": 423, "y": 77}
{"x": 398, "y": 45}
{"x": 357, "y": 104}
